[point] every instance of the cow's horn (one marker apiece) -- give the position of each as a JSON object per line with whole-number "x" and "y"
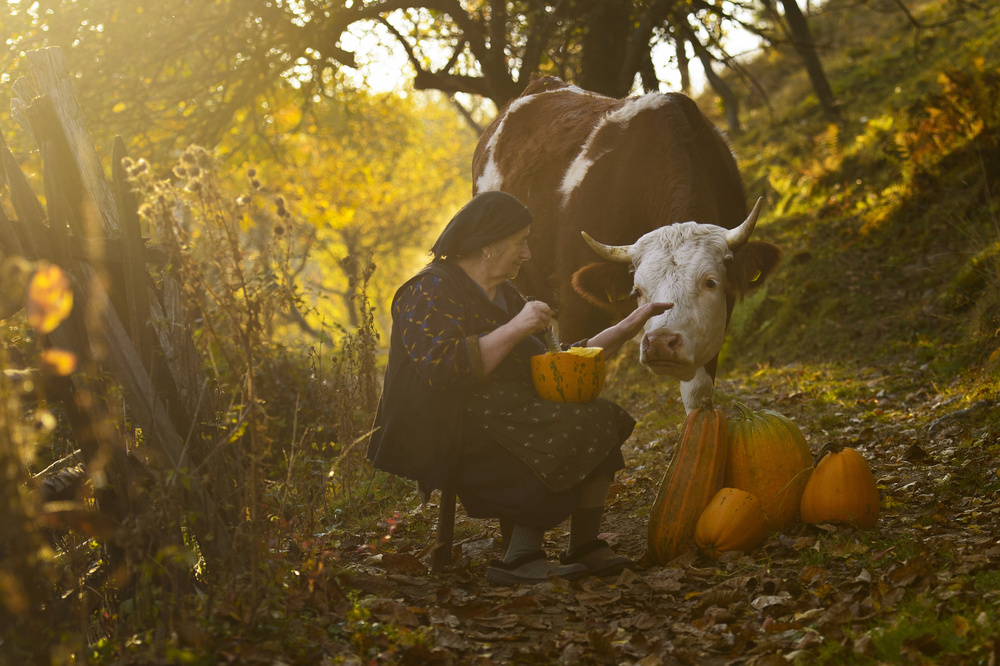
{"x": 735, "y": 238}
{"x": 619, "y": 253}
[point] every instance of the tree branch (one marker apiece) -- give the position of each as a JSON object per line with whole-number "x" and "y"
{"x": 475, "y": 126}
{"x": 497, "y": 83}
{"x": 729, "y": 61}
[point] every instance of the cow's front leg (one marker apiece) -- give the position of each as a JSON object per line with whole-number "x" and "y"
{"x": 698, "y": 391}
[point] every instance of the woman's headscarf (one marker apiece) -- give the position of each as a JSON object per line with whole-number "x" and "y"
{"x": 487, "y": 218}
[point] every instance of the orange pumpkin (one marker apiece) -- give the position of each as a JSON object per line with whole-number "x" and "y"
{"x": 733, "y": 520}
{"x": 692, "y": 478}
{"x": 841, "y": 490}
{"x": 769, "y": 457}
{"x": 574, "y": 375}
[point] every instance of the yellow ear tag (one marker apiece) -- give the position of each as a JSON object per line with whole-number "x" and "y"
{"x": 755, "y": 277}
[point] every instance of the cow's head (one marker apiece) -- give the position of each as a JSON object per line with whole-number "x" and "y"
{"x": 702, "y": 269}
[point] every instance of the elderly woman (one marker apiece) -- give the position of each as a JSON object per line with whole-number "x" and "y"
{"x": 459, "y": 409}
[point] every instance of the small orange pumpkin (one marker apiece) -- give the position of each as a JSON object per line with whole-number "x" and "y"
{"x": 769, "y": 457}
{"x": 574, "y": 375}
{"x": 733, "y": 520}
{"x": 841, "y": 490}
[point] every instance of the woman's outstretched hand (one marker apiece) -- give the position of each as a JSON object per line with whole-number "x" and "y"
{"x": 633, "y": 323}
{"x": 614, "y": 337}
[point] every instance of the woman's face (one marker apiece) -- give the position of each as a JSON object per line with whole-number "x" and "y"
{"x": 509, "y": 254}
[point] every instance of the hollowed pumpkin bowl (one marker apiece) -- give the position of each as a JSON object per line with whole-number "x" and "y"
{"x": 575, "y": 375}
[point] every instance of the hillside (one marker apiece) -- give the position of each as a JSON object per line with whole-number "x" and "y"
{"x": 888, "y": 214}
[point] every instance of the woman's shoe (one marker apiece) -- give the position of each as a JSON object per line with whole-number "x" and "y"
{"x": 598, "y": 557}
{"x": 531, "y": 568}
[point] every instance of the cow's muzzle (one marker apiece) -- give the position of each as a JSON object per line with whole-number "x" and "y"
{"x": 665, "y": 353}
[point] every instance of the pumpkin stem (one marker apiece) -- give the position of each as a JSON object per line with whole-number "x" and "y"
{"x": 744, "y": 411}
{"x": 829, "y": 447}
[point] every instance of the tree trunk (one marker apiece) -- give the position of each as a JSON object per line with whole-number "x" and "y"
{"x": 605, "y": 42}
{"x": 683, "y": 65}
{"x": 647, "y": 74}
{"x": 730, "y": 102}
{"x": 806, "y": 48}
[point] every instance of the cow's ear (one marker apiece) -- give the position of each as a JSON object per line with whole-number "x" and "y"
{"x": 608, "y": 285}
{"x": 751, "y": 265}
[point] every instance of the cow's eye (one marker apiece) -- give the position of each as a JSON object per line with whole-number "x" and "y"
{"x": 636, "y": 292}
{"x": 711, "y": 283}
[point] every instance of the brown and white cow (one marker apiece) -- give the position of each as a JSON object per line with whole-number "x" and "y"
{"x": 653, "y": 179}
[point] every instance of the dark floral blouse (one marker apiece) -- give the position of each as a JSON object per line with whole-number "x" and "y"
{"x": 435, "y": 391}
{"x": 440, "y": 332}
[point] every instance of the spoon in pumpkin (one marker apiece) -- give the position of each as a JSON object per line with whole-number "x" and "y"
{"x": 549, "y": 336}
{"x": 549, "y": 333}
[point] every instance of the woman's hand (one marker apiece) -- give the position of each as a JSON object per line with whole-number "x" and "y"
{"x": 495, "y": 345}
{"x": 611, "y": 339}
{"x": 534, "y": 317}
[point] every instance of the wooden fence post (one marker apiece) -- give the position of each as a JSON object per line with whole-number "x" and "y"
{"x": 151, "y": 339}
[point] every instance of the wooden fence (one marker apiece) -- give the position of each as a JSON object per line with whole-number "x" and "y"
{"x": 127, "y": 326}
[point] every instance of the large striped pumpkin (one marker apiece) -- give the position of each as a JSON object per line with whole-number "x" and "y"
{"x": 574, "y": 375}
{"x": 694, "y": 475}
{"x": 769, "y": 457}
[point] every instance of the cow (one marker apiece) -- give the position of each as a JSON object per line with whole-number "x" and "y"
{"x": 656, "y": 184}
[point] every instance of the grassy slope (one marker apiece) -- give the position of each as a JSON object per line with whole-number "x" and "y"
{"x": 884, "y": 212}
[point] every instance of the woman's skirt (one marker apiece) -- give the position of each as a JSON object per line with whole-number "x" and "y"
{"x": 527, "y": 460}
